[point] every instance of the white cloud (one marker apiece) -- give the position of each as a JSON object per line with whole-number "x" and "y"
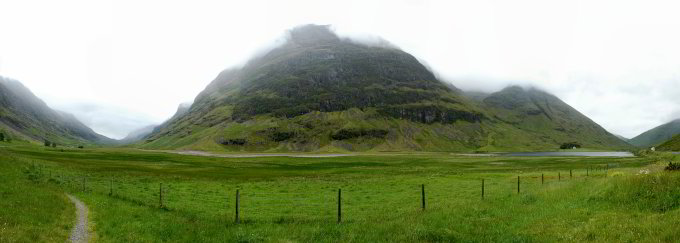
{"x": 616, "y": 61}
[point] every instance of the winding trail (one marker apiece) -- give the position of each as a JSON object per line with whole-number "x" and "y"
{"x": 79, "y": 233}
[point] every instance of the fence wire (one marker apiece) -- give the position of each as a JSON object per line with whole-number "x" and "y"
{"x": 321, "y": 204}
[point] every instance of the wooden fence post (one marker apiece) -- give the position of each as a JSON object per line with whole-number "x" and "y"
{"x": 542, "y": 179}
{"x": 517, "y": 184}
{"x": 482, "y": 189}
{"x": 160, "y": 195}
{"x": 559, "y": 176}
{"x": 111, "y": 187}
{"x": 570, "y": 174}
{"x": 237, "y": 201}
{"x": 422, "y": 190}
{"x": 339, "y": 205}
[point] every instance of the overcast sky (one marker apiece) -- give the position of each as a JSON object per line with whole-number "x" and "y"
{"x": 120, "y": 65}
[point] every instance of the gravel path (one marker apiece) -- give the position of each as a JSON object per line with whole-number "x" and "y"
{"x": 79, "y": 233}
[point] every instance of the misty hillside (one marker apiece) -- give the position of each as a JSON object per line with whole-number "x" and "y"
{"x": 23, "y": 116}
{"x": 143, "y": 132}
{"x": 625, "y": 139}
{"x": 547, "y": 118}
{"x": 657, "y": 135}
{"x": 138, "y": 134}
{"x": 672, "y": 144}
{"x": 318, "y": 92}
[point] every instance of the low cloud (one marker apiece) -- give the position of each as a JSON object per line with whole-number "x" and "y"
{"x": 615, "y": 61}
{"x": 111, "y": 121}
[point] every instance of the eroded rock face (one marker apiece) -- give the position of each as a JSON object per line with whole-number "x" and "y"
{"x": 430, "y": 114}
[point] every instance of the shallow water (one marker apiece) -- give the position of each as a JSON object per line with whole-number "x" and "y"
{"x": 576, "y": 153}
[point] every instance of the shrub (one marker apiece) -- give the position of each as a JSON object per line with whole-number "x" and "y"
{"x": 570, "y": 145}
{"x": 282, "y": 136}
{"x": 673, "y": 166}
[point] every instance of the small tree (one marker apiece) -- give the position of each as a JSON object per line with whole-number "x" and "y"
{"x": 54, "y": 145}
{"x": 570, "y": 145}
{"x": 2, "y": 136}
{"x": 47, "y": 143}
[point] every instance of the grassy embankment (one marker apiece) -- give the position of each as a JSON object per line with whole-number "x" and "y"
{"x": 295, "y": 199}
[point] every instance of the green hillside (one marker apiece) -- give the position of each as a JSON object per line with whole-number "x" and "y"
{"x": 318, "y": 92}
{"x": 24, "y": 117}
{"x": 544, "y": 119}
{"x": 657, "y": 135}
{"x": 672, "y": 144}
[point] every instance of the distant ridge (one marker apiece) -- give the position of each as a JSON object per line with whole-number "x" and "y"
{"x": 544, "y": 119}
{"x": 672, "y": 144}
{"x": 657, "y": 135}
{"x": 23, "y": 116}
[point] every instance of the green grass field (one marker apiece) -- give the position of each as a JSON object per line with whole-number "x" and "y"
{"x": 32, "y": 209}
{"x": 285, "y": 199}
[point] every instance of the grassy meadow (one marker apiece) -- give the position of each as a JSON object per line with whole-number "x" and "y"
{"x": 284, "y": 199}
{"x": 32, "y": 208}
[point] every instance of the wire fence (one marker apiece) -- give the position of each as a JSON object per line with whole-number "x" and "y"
{"x": 325, "y": 204}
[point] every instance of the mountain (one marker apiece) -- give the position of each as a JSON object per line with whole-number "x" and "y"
{"x": 476, "y": 95}
{"x": 181, "y": 110}
{"x": 657, "y": 135}
{"x": 24, "y": 116}
{"x": 543, "y": 119}
{"x": 625, "y": 139}
{"x": 319, "y": 92}
{"x": 143, "y": 132}
{"x": 672, "y": 144}
{"x": 138, "y": 134}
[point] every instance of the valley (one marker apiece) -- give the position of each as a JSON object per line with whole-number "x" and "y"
{"x": 325, "y": 137}
{"x": 154, "y": 196}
